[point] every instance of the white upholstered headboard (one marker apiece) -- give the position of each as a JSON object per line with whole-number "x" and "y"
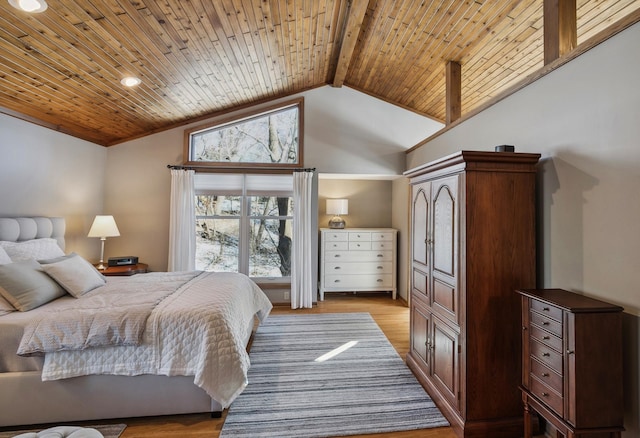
{"x": 18, "y": 229}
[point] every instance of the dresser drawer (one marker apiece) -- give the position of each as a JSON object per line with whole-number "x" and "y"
{"x": 546, "y": 355}
{"x": 547, "y": 395}
{"x": 381, "y": 245}
{"x": 546, "y": 375}
{"x": 546, "y": 309}
{"x": 360, "y": 246}
{"x": 382, "y": 237}
{"x": 359, "y": 237}
{"x": 336, "y": 245}
{"x": 546, "y": 323}
{"x": 358, "y": 256}
{"x": 336, "y": 237}
{"x": 546, "y": 338}
{"x": 342, "y": 268}
{"x": 360, "y": 281}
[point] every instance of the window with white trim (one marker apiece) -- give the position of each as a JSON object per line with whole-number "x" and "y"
{"x": 244, "y": 223}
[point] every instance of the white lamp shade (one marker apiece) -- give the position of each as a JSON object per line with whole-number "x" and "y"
{"x": 104, "y": 226}
{"x": 337, "y": 206}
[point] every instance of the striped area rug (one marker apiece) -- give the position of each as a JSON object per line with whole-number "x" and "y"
{"x": 327, "y": 375}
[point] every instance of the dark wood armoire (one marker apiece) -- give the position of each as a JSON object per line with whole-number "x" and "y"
{"x": 473, "y": 243}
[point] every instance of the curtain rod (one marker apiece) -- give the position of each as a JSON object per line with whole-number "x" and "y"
{"x": 222, "y": 169}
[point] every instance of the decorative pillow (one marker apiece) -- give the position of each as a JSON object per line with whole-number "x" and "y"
{"x": 76, "y": 275}
{"x": 4, "y": 257}
{"x": 5, "y": 306}
{"x": 25, "y": 286}
{"x": 33, "y": 249}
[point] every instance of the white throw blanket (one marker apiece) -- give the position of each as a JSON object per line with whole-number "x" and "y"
{"x": 199, "y": 331}
{"x": 109, "y": 315}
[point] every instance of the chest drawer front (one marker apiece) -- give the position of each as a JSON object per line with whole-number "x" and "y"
{"x": 359, "y": 246}
{"x": 382, "y": 237}
{"x": 547, "y": 310}
{"x": 358, "y": 268}
{"x": 360, "y": 281}
{"x": 336, "y": 246}
{"x": 381, "y": 245}
{"x": 546, "y": 323}
{"x": 546, "y": 338}
{"x": 358, "y": 256}
{"x": 336, "y": 237}
{"x": 546, "y": 355}
{"x": 547, "y": 395}
{"x": 546, "y": 375}
{"x": 359, "y": 237}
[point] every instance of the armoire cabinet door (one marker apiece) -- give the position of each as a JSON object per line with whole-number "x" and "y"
{"x": 445, "y": 366}
{"x": 445, "y": 248}
{"x": 421, "y": 340}
{"x": 420, "y": 224}
{"x": 420, "y": 247}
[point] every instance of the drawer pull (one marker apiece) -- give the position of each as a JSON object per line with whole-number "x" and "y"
{"x": 358, "y": 245}
{"x": 545, "y": 309}
{"x": 337, "y": 267}
{"x": 545, "y": 374}
{"x": 379, "y": 280}
{"x": 336, "y": 281}
{"x": 545, "y": 323}
{"x": 570, "y": 352}
{"x": 337, "y": 255}
{"x": 380, "y": 267}
{"x": 380, "y": 255}
{"x": 546, "y": 338}
{"x": 546, "y": 354}
{"x": 545, "y": 394}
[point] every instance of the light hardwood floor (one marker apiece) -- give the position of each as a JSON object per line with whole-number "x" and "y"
{"x": 391, "y": 315}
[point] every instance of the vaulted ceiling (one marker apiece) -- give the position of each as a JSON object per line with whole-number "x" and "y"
{"x": 62, "y": 68}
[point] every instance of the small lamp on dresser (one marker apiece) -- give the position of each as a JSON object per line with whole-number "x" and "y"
{"x": 103, "y": 226}
{"x": 337, "y": 207}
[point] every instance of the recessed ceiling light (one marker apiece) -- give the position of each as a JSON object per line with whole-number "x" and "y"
{"x": 33, "y": 6}
{"x": 130, "y": 81}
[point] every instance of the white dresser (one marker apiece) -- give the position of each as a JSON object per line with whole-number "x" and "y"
{"x": 358, "y": 259}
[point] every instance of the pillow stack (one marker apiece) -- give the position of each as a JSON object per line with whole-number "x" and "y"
{"x": 26, "y": 284}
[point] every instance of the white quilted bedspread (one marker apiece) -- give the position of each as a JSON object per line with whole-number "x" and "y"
{"x": 199, "y": 331}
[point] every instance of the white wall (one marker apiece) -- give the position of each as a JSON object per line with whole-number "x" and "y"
{"x": 47, "y": 173}
{"x": 351, "y": 132}
{"x": 584, "y": 118}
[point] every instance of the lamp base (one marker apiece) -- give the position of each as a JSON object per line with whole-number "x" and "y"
{"x": 337, "y": 223}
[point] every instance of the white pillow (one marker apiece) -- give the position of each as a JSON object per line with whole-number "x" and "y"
{"x": 46, "y": 248}
{"x": 25, "y": 286}
{"x": 76, "y": 275}
{"x": 5, "y": 306}
{"x": 4, "y": 257}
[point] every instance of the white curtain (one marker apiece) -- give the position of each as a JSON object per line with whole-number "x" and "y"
{"x": 301, "y": 270}
{"x": 182, "y": 220}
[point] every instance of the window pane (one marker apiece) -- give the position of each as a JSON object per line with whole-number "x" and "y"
{"x": 211, "y": 205}
{"x": 268, "y": 138}
{"x": 270, "y": 206}
{"x": 217, "y": 244}
{"x": 270, "y": 248}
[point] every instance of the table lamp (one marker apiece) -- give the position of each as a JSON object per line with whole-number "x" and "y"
{"x": 103, "y": 226}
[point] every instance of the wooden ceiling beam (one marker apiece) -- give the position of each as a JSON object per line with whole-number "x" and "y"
{"x": 560, "y": 28}
{"x": 454, "y": 92}
{"x": 353, "y": 25}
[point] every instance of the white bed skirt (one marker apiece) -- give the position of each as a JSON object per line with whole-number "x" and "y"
{"x": 25, "y": 399}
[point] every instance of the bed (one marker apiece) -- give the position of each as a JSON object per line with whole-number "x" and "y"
{"x": 159, "y": 343}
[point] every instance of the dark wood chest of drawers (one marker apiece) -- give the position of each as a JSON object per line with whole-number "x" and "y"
{"x": 572, "y": 362}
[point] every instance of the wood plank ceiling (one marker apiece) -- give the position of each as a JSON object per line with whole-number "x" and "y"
{"x": 197, "y": 58}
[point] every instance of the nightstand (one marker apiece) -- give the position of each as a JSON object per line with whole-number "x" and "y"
{"x": 125, "y": 270}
